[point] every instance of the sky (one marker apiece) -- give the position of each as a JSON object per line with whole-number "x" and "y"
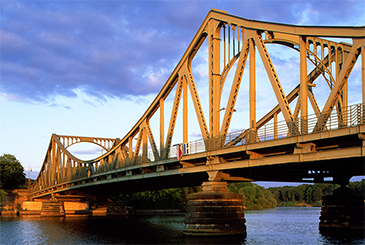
{"x": 92, "y": 68}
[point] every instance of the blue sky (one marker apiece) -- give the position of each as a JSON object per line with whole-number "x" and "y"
{"x": 91, "y": 68}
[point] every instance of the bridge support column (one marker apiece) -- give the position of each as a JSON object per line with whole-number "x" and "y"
{"x": 342, "y": 213}
{"x": 214, "y": 212}
{"x": 52, "y": 208}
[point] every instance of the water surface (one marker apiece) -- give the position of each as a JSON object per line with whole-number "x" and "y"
{"x": 270, "y": 226}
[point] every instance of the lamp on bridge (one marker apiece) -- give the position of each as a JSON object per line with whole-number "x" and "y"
{"x": 29, "y": 170}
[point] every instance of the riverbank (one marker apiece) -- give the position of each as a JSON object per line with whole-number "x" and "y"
{"x": 96, "y": 212}
{"x": 299, "y": 204}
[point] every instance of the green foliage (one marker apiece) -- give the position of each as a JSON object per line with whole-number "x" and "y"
{"x": 3, "y": 195}
{"x": 18, "y": 207}
{"x": 302, "y": 194}
{"x": 358, "y": 187}
{"x": 310, "y": 195}
{"x": 11, "y": 172}
{"x": 317, "y": 204}
{"x": 174, "y": 198}
{"x": 253, "y": 196}
{"x": 289, "y": 204}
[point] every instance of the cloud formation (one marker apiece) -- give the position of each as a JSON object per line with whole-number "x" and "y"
{"x": 110, "y": 49}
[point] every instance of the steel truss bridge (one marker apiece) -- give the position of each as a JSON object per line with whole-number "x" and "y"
{"x": 302, "y": 147}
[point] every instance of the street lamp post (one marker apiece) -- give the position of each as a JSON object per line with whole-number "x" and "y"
{"x": 29, "y": 182}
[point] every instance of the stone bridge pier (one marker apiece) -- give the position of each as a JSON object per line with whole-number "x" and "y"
{"x": 214, "y": 211}
{"x": 342, "y": 212}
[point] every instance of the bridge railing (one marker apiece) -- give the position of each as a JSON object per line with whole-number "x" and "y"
{"x": 344, "y": 117}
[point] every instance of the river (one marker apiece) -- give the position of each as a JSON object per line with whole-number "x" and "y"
{"x": 270, "y": 226}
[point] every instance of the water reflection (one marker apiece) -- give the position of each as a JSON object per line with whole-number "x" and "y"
{"x": 274, "y": 226}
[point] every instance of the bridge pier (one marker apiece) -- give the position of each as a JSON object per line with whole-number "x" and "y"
{"x": 214, "y": 212}
{"x": 342, "y": 213}
{"x": 52, "y": 208}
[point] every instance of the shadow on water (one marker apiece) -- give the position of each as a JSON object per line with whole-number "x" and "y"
{"x": 334, "y": 240}
{"x": 346, "y": 237}
{"x": 127, "y": 230}
{"x": 215, "y": 240}
{"x": 103, "y": 230}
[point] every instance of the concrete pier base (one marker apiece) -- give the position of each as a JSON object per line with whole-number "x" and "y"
{"x": 52, "y": 208}
{"x": 342, "y": 214}
{"x": 215, "y": 213}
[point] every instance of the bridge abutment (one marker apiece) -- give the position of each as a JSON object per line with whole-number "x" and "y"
{"x": 214, "y": 212}
{"x": 52, "y": 208}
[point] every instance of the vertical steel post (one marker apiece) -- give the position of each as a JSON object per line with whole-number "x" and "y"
{"x": 52, "y": 167}
{"x": 275, "y": 126}
{"x": 130, "y": 143}
{"x": 185, "y": 110}
{"x": 145, "y": 143}
{"x": 363, "y": 73}
{"x": 303, "y": 85}
{"x": 162, "y": 126}
{"x": 345, "y": 88}
{"x": 234, "y": 40}
{"x": 252, "y": 85}
{"x": 224, "y": 45}
{"x": 229, "y": 42}
{"x": 214, "y": 77}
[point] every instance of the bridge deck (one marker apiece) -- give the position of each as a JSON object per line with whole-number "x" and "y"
{"x": 304, "y": 158}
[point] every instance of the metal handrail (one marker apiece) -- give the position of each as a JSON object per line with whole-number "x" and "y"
{"x": 350, "y": 116}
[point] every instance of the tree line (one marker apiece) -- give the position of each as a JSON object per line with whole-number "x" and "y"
{"x": 173, "y": 198}
{"x": 253, "y": 196}
{"x": 310, "y": 195}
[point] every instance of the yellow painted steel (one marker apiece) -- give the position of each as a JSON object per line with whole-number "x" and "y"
{"x": 230, "y": 40}
{"x": 252, "y": 85}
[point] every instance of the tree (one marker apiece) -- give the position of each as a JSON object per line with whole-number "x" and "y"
{"x": 308, "y": 194}
{"x": 174, "y": 198}
{"x": 11, "y": 173}
{"x": 358, "y": 187}
{"x": 253, "y": 196}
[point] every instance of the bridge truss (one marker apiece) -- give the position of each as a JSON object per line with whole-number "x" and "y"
{"x": 233, "y": 43}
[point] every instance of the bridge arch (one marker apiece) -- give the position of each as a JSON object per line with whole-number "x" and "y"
{"x": 318, "y": 60}
{"x": 87, "y": 141}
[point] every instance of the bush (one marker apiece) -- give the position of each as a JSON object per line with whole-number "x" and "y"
{"x": 317, "y": 204}
{"x": 2, "y": 196}
{"x": 18, "y": 207}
